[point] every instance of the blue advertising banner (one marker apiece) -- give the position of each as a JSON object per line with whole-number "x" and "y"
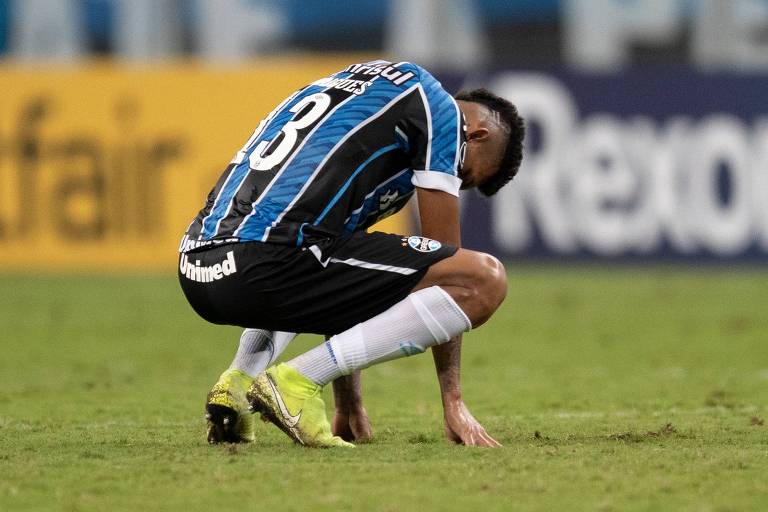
{"x": 651, "y": 165}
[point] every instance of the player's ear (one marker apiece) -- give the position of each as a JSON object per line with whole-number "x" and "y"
{"x": 478, "y": 134}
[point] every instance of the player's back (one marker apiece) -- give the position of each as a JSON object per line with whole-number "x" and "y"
{"x": 335, "y": 157}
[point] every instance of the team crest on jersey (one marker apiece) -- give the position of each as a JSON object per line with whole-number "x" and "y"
{"x": 421, "y": 244}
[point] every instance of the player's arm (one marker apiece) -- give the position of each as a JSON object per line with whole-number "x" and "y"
{"x": 439, "y": 216}
{"x": 350, "y": 419}
{"x": 438, "y": 153}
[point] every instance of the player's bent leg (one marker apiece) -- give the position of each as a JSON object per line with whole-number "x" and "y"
{"x": 288, "y": 395}
{"x": 475, "y": 280}
{"x": 226, "y": 408}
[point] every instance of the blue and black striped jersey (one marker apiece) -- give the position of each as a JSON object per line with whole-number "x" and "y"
{"x": 335, "y": 157}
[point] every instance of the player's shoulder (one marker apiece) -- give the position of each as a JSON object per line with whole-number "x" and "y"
{"x": 402, "y": 73}
{"x": 411, "y": 67}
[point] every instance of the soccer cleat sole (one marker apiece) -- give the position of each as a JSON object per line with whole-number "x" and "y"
{"x": 221, "y": 424}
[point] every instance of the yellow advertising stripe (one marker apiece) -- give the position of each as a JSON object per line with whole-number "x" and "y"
{"x": 102, "y": 167}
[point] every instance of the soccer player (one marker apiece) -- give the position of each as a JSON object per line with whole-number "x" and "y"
{"x": 281, "y": 247}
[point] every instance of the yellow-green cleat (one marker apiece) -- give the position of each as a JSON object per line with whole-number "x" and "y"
{"x": 226, "y": 409}
{"x": 293, "y": 403}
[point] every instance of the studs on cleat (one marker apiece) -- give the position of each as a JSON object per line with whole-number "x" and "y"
{"x": 222, "y": 424}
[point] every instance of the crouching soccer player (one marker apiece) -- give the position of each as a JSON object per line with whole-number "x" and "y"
{"x": 281, "y": 247}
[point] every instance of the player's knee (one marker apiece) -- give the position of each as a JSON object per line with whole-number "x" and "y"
{"x": 493, "y": 282}
{"x": 489, "y": 287}
{"x": 496, "y": 281}
{"x": 476, "y": 281}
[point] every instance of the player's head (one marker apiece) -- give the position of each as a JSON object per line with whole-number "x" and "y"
{"x": 495, "y": 133}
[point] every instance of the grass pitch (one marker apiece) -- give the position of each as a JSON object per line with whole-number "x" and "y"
{"x": 620, "y": 389}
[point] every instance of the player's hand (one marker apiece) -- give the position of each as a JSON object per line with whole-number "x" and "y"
{"x": 352, "y": 424}
{"x": 462, "y": 428}
{"x": 350, "y": 421}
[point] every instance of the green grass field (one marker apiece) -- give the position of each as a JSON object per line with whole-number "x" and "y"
{"x": 619, "y": 389}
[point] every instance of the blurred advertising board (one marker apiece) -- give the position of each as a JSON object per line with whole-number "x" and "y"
{"x": 656, "y": 165}
{"x": 103, "y": 167}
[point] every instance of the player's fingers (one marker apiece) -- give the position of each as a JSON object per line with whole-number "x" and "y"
{"x": 486, "y": 436}
{"x": 469, "y": 438}
{"x": 489, "y": 440}
{"x": 481, "y": 438}
{"x": 362, "y": 431}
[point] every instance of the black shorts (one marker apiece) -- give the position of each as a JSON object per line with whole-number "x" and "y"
{"x": 304, "y": 289}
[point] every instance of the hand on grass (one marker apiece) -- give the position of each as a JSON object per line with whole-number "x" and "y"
{"x": 462, "y": 428}
{"x": 352, "y": 425}
{"x": 350, "y": 421}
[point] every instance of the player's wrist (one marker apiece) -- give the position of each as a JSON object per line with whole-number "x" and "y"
{"x": 349, "y": 405}
{"x": 451, "y": 397}
{"x": 347, "y": 394}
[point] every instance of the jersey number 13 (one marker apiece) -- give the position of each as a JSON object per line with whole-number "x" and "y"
{"x": 266, "y": 155}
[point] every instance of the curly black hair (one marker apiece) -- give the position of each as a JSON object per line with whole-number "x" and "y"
{"x": 513, "y": 154}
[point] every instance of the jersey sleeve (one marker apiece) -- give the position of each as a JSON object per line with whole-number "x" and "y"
{"x": 433, "y": 127}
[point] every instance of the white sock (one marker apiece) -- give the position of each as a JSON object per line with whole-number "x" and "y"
{"x": 258, "y": 349}
{"x": 425, "y": 318}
